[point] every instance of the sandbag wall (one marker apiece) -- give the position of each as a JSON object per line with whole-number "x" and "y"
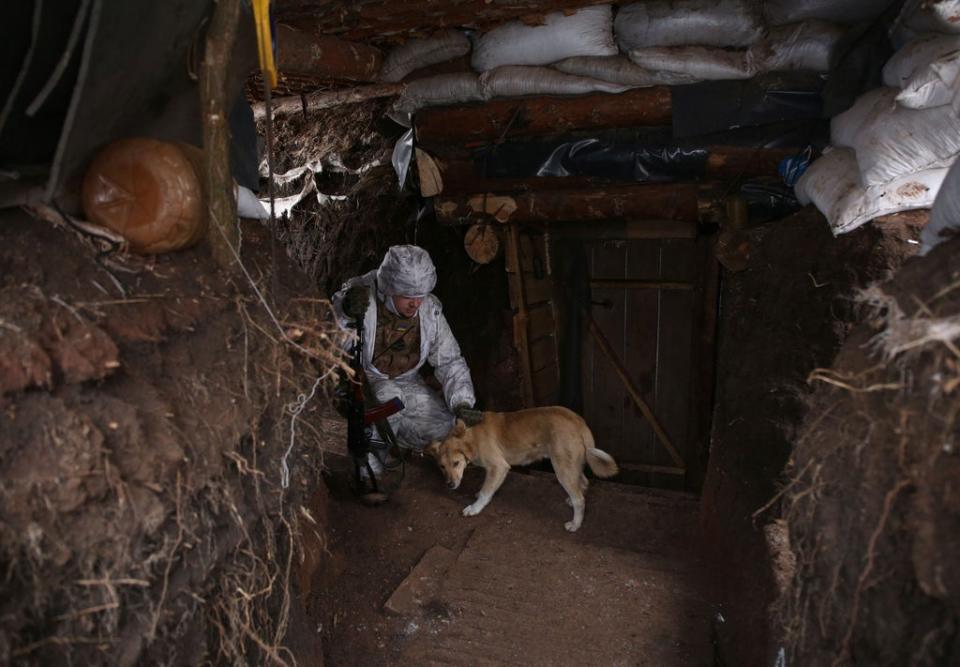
{"x": 891, "y": 151}
{"x": 608, "y": 49}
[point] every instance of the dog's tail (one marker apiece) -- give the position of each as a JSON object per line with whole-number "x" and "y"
{"x": 601, "y": 463}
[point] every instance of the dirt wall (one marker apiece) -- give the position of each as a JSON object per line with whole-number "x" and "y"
{"x": 143, "y": 419}
{"x": 785, "y": 315}
{"x": 871, "y": 503}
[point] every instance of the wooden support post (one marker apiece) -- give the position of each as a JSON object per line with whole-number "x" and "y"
{"x": 520, "y": 319}
{"x": 217, "y": 181}
{"x": 285, "y": 106}
{"x": 307, "y": 51}
{"x": 621, "y": 372}
{"x": 508, "y": 118}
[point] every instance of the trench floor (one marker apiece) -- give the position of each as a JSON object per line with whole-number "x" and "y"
{"x": 415, "y": 583}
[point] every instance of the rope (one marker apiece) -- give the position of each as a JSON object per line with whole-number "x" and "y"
{"x": 295, "y": 409}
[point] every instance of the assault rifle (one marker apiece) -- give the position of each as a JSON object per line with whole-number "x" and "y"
{"x": 355, "y": 396}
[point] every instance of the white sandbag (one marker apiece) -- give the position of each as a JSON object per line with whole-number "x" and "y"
{"x": 517, "y": 81}
{"x": 831, "y": 184}
{"x": 828, "y": 180}
{"x": 931, "y": 16}
{"x": 417, "y": 53}
{"x": 898, "y": 141}
{"x": 805, "y": 46}
{"x": 248, "y": 206}
{"x": 438, "y": 90}
{"x": 945, "y": 217}
{"x": 780, "y": 12}
{"x": 845, "y": 127}
{"x": 905, "y": 193}
{"x": 933, "y": 85}
{"x": 619, "y": 69}
{"x": 688, "y": 22}
{"x": 916, "y": 56}
{"x": 697, "y": 62}
{"x": 587, "y": 32}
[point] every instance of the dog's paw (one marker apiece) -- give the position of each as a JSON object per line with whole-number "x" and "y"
{"x": 472, "y": 510}
{"x": 571, "y": 526}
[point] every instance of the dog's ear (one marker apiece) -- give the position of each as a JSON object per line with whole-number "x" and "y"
{"x": 433, "y": 449}
{"x": 459, "y": 428}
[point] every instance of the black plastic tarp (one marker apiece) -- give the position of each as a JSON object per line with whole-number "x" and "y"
{"x": 647, "y": 155}
{"x": 716, "y": 106}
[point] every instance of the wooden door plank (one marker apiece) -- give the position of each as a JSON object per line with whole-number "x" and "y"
{"x": 624, "y": 377}
{"x": 607, "y": 261}
{"x": 640, "y": 348}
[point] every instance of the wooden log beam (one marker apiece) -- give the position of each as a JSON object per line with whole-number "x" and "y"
{"x": 305, "y": 51}
{"x": 628, "y": 230}
{"x": 379, "y": 19}
{"x": 285, "y": 106}
{"x": 507, "y": 118}
{"x": 461, "y": 174}
{"x": 681, "y": 201}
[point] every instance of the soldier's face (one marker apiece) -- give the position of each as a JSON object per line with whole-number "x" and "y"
{"x": 407, "y": 305}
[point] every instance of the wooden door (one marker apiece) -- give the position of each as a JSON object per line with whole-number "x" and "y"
{"x": 651, "y": 305}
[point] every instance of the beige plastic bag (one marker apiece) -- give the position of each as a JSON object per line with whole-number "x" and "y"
{"x": 149, "y": 192}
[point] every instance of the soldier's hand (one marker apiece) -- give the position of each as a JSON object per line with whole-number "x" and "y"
{"x": 355, "y": 301}
{"x": 469, "y": 416}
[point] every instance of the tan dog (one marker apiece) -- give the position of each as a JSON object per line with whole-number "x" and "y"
{"x": 505, "y": 439}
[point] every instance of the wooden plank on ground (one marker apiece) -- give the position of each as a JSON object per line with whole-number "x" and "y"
{"x": 422, "y": 585}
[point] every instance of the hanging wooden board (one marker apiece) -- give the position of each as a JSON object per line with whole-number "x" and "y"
{"x": 431, "y": 183}
{"x": 482, "y": 243}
